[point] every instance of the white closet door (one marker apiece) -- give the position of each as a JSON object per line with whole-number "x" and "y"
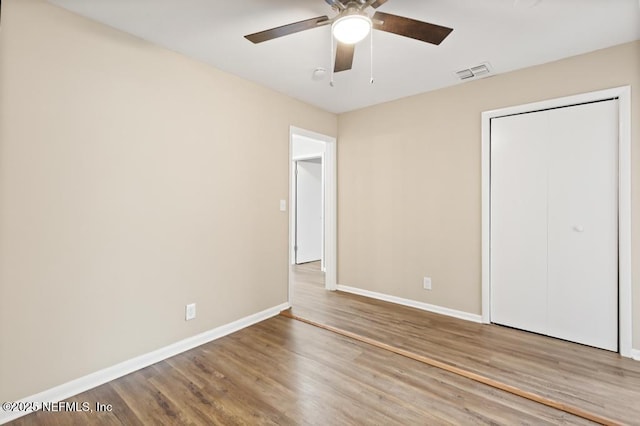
{"x": 554, "y": 236}
{"x": 519, "y": 221}
{"x": 583, "y": 224}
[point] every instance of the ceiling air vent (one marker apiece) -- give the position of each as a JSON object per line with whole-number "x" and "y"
{"x": 464, "y": 74}
{"x": 478, "y": 71}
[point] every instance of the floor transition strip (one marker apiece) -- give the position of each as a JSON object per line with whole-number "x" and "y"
{"x": 459, "y": 371}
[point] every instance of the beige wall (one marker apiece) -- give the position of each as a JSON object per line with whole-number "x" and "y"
{"x": 132, "y": 181}
{"x": 409, "y": 191}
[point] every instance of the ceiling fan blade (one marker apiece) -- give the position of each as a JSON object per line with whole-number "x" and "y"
{"x": 335, "y": 3}
{"x": 376, "y": 4}
{"x": 407, "y": 27}
{"x": 344, "y": 57}
{"x": 284, "y": 30}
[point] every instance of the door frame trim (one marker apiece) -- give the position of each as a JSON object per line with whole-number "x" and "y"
{"x": 623, "y": 93}
{"x": 330, "y": 206}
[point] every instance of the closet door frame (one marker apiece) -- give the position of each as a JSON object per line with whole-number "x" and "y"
{"x": 623, "y": 94}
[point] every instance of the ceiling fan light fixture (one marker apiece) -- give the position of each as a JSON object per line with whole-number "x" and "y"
{"x": 351, "y": 28}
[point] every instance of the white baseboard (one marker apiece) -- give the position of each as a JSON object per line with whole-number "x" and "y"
{"x": 412, "y": 303}
{"x": 635, "y": 354}
{"x": 90, "y": 381}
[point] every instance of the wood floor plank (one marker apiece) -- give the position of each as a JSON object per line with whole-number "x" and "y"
{"x": 590, "y": 379}
{"x": 514, "y": 390}
{"x": 283, "y": 372}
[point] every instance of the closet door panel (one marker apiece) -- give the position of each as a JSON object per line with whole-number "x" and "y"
{"x": 583, "y": 233}
{"x": 519, "y": 221}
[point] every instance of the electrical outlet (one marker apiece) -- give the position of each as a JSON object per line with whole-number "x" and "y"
{"x": 190, "y": 311}
{"x": 426, "y": 283}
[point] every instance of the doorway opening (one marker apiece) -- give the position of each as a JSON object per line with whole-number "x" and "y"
{"x": 308, "y": 244}
{"x": 312, "y": 212}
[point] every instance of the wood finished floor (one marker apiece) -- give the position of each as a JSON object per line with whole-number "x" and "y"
{"x": 592, "y": 379}
{"x": 284, "y": 372}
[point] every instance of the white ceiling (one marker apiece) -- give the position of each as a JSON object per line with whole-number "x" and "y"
{"x": 509, "y": 34}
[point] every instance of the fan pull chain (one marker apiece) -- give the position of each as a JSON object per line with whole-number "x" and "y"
{"x": 332, "y": 59}
{"x": 371, "y": 56}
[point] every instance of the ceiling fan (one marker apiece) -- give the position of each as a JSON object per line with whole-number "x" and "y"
{"x": 352, "y": 24}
